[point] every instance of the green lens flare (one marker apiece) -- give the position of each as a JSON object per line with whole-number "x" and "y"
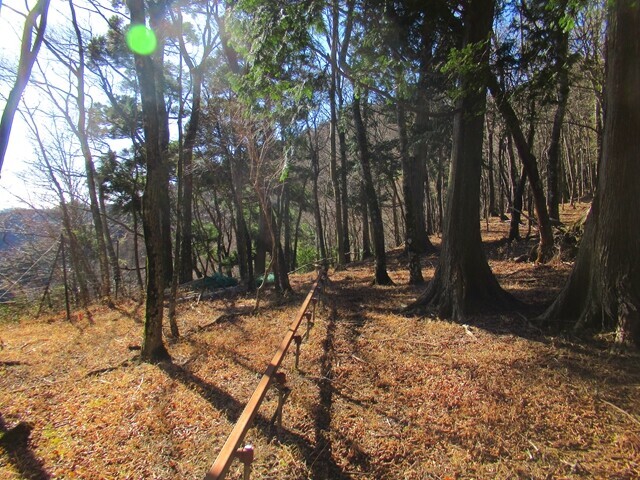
{"x": 141, "y": 40}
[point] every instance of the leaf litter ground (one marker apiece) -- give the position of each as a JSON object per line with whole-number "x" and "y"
{"x": 378, "y": 395}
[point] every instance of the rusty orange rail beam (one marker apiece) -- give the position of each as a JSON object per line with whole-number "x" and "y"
{"x": 225, "y": 457}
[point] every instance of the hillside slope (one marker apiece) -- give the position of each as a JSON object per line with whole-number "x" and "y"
{"x": 378, "y": 396}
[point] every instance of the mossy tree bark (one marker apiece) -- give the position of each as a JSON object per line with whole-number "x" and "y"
{"x": 603, "y": 290}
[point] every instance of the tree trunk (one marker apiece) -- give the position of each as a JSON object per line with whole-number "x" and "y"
{"x": 158, "y": 22}
{"x": 463, "y": 281}
{"x": 113, "y": 258}
{"x": 186, "y": 241}
{"x": 315, "y": 172}
{"x": 603, "y": 290}
{"x": 81, "y": 132}
{"x": 345, "y": 195}
{"x": 28, "y": 52}
{"x": 381, "y": 275}
{"x": 154, "y": 197}
{"x": 243, "y": 240}
{"x": 136, "y": 251}
{"x": 492, "y": 211}
{"x": 286, "y": 220}
{"x": 366, "y": 238}
{"x": 412, "y": 246}
{"x": 263, "y": 245}
{"x": 530, "y": 165}
{"x": 333, "y": 129}
{"x": 413, "y": 178}
{"x": 553, "y": 152}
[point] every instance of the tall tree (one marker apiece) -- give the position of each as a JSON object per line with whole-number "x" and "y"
{"x": 411, "y": 39}
{"x": 196, "y": 71}
{"x": 156, "y": 187}
{"x": 463, "y": 281}
{"x": 530, "y": 167}
{"x": 371, "y": 197}
{"x": 341, "y": 228}
{"x": 559, "y": 34}
{"x": 35, "y": 22}
{"x": 55, "y": 163}
{"x": 603, "y": 290}
{"x": 76, "y": 67}
{"x": 314, "y": 154}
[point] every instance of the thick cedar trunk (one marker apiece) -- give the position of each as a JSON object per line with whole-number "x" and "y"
{"x": 158, "y": 22}
{"x": 411, "y": 228}
{"x": 381, "y": 275}
{"x": 603, "y": 290}
{"x": 530, "y": 166}
{"x": 463, "y": 281}
{"x": 417, "y": 176}
{"x": 154, "y": 197}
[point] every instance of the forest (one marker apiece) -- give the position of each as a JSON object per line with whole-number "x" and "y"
{"x": 466, "y": 172}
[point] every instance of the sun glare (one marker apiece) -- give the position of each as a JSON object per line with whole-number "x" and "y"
{"x": 141, "y": 40}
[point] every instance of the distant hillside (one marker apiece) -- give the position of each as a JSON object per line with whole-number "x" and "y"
{"x": 19, "y": 226}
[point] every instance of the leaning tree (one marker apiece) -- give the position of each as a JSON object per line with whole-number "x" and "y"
{"x": 34, "y": 23}
{"x": 603, "y": 290}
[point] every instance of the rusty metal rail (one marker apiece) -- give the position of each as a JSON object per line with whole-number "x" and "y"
{"x": 231, "y": 449}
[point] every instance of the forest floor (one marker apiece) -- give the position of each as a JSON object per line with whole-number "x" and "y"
{"x": 378, "y": 395}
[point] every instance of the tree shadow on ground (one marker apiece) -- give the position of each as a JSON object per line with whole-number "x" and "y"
{"x": 203, "y": 349}
{"x": 232, "y": 408}
{"x": 352, "y": 327}
{"x": 585, "y": 356}
{"x": 16, "y": 444}
{"x": 323, "y": 466}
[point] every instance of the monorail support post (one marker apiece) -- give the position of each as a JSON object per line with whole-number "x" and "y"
{"x": 298, "y": 340}
{"x": 246, "y": 455}
{"x": 280, "y": 384}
